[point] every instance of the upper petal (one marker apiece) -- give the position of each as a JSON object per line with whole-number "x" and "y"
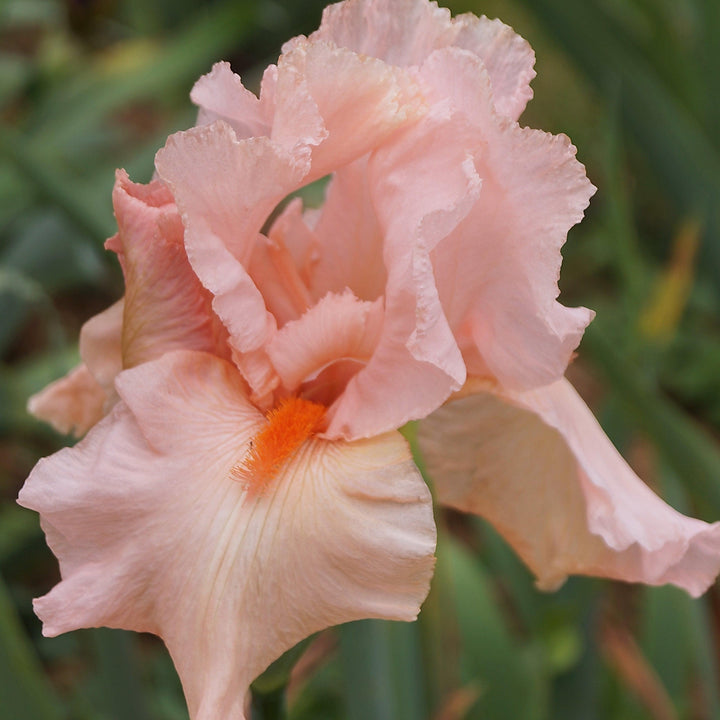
{"x": 422, "y": 184}
{"x": 225, "y": 188}
{"x": 166, "y": 307}
{"x": 221, "y": 95}
{"x": 406, "y": 32}
{"x": 339, "y": 103}
{"x": 153, "y": 533}
{"x": 539, "y": 467}
{"x": 497, "y": 272}
{"x": 349, "y": 241}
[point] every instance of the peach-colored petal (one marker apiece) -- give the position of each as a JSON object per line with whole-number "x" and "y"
{"x": 225, "y": 188}
{"x": 291, "y": 230}
{"x": 276, "y": 271}
{"x": 221, "y": 96}
{"x": 166, "y": 307}
{"x": 539, "y": 467}
{"x": 349, "y": 242}
{"x": 507, "y": 57}
{"x": 405, "y": 32}
{"x": 339, "y": 103}
{"x": 72, "y": 404}
{"x": 320, "y": 99}
{"x": 338, "y": 328}
{"x": 345, "y": 531}
{"x": 497, "y": 272}
{"x": 422, "y": 185}
{"x": 101, "y": 345}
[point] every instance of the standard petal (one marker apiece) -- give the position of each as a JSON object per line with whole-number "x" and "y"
{"x": 406, "y": 32}
{"x": 277, "y": 272}
{"x": 225, "y": 188}
{"x": 338, "y": 103}
{"x": 497, "y": 271}
{"x": 220, "y": 95}
{"x": 422, "y": 185}
{"x": 538, "y": 466}
{"x": 166, "y": 306}
{"x": 349, "y": 241}
{"x": 153, "y": 533}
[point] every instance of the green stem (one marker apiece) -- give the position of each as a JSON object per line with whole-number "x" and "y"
{"x": 269, "y": 705}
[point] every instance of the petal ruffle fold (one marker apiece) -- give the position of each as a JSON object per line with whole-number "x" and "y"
{"x": 166, "y": 307}
{"x": 497, "y": 272}
{"x": 538, "y": 466}
{"x": 344, "y": 531}
{"x": 406, "y": 32}
{"x": 74, "y": 403}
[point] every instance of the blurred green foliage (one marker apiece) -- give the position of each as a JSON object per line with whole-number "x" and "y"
{"x": 86, "y": 87}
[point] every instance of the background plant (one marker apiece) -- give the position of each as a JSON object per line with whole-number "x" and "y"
{"x": 88, "y": 87}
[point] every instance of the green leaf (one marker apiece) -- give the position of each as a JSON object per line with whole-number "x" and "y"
{"x": 687, "y": 448}
{"x": 117, "y": 680}
{"x": 680, "y": 150}
{"x": 382, "y": 670}
{"x": 508, "y": 674}
{"x": 17, "y": 527}
{"x": 24, "y": 691}
{"x": 277, "y": 676}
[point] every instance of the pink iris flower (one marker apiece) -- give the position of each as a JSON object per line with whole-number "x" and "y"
{"x": 242, "y": 482}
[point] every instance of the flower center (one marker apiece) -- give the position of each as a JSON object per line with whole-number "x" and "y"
{"x": 292, "y": 422}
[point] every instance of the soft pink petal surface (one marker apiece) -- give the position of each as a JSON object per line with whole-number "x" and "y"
{"x": 101, "y": 345}
{"x": 360, "y": 102}
{"x": 153, "y": 534}
{"x": 405, "y": 32}
{"x": 220, "y": 95}
{"x": 166, "y": 307}
{"x": 348, "y": 241}
{"x": 225, "y": 188}
{"x": 321, "y": 100}
{"x": 422, "y": 184}
{"x": 497, "y": 272}
{"x": 72, "y": 404}
{"x": 339, "y": 328}
{"x": 538, "y": 466}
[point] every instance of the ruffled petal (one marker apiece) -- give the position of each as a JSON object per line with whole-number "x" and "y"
{"x": 153, "y": 533}
{"x": 406, "y": 32}
{"x": 166, "y": 307}
{"x": 339, "y": 328}
{"x": 423, "y": 184}
{"x": 319, "y": 99}
{"x": 497, "y": 271}
{"x": 339, "y": 103}
{"x": 277, "y": 272}
{"x": 220, "y": 95}
{"x": 225, "y": 188}
{"x": 72, "y": 404}
{"x": 538, "y": 466}
{"x": 101, "y": 345}
{"x": 349, "y": 242}
{"x": 507, "y": 57}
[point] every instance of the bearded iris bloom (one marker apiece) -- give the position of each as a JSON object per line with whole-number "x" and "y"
{"x": 242, "y": 482}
